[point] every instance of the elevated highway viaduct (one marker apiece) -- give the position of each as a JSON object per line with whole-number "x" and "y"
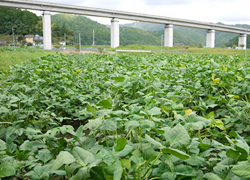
{"x": 115, "y": 15}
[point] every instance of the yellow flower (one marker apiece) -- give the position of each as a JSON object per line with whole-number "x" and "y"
{"x": 188, "y": 111}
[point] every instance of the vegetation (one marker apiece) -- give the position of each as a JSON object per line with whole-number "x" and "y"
{"x": 126, "y": 117}
{"x": 10, "y": 56}
{"x": 25, "y": 22}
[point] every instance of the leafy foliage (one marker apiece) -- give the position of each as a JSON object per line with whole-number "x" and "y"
{"x": 126, "y": 117}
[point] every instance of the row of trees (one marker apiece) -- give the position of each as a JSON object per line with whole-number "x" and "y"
{"x": 28, "y": 23}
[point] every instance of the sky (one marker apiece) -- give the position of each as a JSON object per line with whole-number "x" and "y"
{"x": 225, "y": 11}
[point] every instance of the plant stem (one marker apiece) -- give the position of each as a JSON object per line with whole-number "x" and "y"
{"x": 152, "y": 164}
{"x": 158, "y": 178}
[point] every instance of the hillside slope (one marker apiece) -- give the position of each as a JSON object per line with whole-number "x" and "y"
{"x": 190, "y": 35}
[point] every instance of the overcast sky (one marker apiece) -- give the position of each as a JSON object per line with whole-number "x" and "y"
{"x": 225, "y": 11}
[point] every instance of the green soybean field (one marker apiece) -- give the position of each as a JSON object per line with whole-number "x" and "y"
{"x": 126, "y": 116}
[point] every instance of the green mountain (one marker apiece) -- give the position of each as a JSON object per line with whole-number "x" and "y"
{"x": 189, "y": 35}
{"x": 25, "y": 22}
{"x": 85, "y": 26}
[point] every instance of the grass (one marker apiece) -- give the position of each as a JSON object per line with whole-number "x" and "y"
{"x": 10, "y": 56}
{"x": 180, "y": 49}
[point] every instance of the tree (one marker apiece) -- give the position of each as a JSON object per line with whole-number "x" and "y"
{"x": 200, "y": 45}
{"x": 242, "y": 46}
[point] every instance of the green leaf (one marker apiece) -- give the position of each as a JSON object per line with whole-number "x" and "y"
{"x": 70, "y": 168}
{"x": 196, "y": 161}
{"x": 44, "y": 155}
{"x": 108, "y": 125}
{"x": 115, "y": 169}
{"x": 32, "y": 145}
{"x": 219, "y": 124}
{"x": 176, "y": 152}
{"x": 211, "y": 176}
{"x": 82, "y": 173}
{"x": 243, "y": 147}
{"x": 10, "y": 145}
{"x": 147, "y": 124}
{"x": 30, "y": 132}
{"x": 82, "y": 156}
{"x": 242, "y": 169}
{"x": 118, "y": 174}
{"x": 63, "y": 158}
{"x": 169, "y": 162}
{"x": 233, "y": 154}
{"x": 195, "y": 122}
{"x": 120, "y": 145}
{"x": 155, "y": 111}
{"x": 118, "y": 79}
{"x": 91, "y": 109}
{"x": 2, "y": 145}
{"x": 177, "y": 135}
{"x": 4, "y": 110}
{"x": 6, "y": 170}
{"x": 126, "y": 163}
{"x": 127, "y": 150}
{"x": 132, "y": 124}
{"x": 154, "y": 142}
{"x": 105, "y": 104}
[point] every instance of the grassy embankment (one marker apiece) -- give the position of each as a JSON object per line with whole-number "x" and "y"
{"x": 186, "y": 50}
{"x": 10, "y": 56}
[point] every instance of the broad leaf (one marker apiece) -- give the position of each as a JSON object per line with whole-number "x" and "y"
{"x": 2, "y": 145}
{"x": 176, "y": 152}
{"x": 121, "y": 143}
{"x": 105, "y": 104}
{"x": 82, "y": 156}
{"x": 82, "y": 173}
{"x": 176, "y": 135}
{"x": 63, "y": 158}
{"x": 155, "y": 111}
{"x": 242, "y": 169}
{"x": 44, "y": 155}
{"x": 154, "y": 142}
{"x": 91, "y": 109}
{"x": 6, "y": 170}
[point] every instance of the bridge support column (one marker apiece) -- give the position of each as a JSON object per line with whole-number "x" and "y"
{"x": 115, "y": 34}
{"x": 47, "y": 44}
{"x": 168, "y": 35}
{"x": 210, "y": 38}
{"x": 242, "y": 41}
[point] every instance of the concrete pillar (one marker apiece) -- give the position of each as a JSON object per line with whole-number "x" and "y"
{"x": 115, "y": 34}
{"x": 210, "y": 38}
{"x": 47, "y": 44}
{"x": 168, "y": 35}
{"x": 242, "y": 40}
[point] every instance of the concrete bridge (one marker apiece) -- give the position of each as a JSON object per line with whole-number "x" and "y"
{"x": 115, "y": 15}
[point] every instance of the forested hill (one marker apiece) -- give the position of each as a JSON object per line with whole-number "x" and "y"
{"x": 196, "y": 35}
{"x": 25, "y": 22}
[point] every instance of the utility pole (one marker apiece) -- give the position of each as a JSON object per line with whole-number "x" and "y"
{"x": 13, "y": 36}
{"x": 93, "y": 37}
{"x": 79, "y": 43}
{"x": 65, "y": 38}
